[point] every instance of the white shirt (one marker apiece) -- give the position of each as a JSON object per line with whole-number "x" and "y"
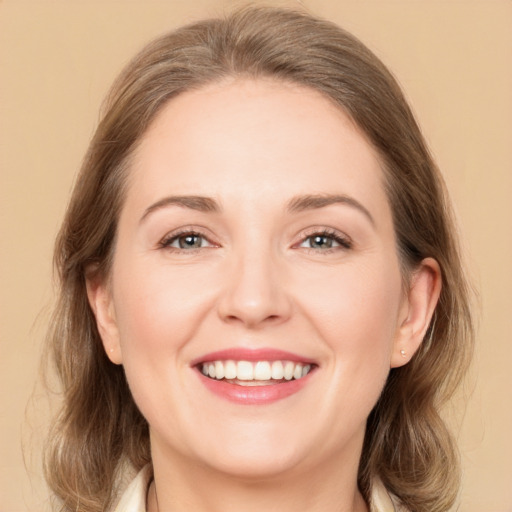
{"x": 134, "y": 497}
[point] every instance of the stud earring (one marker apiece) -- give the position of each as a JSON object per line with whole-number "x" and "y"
{"x": 402, "y": 352}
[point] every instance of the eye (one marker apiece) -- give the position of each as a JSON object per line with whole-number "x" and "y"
{"x": 188, "y": 240}
{"x": 326, "y": 240}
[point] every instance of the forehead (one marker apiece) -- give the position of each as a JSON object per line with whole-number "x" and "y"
{"x": 248, "y": 138}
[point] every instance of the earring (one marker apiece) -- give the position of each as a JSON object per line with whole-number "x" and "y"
{"x": 402, "y": 352}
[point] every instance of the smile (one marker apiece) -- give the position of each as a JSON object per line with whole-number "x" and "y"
{"x": 254, "y": 377}
{"x": 248, "y": 373}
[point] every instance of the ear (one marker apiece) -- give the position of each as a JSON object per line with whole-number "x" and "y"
{"x": 102, "y": 304}
{"x": 420, "y": 303}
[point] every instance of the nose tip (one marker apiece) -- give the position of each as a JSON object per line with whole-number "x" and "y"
{"x": 255, "y": 296}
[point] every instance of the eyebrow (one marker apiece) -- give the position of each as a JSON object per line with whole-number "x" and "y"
{"x": 198, "y": 203}
{"x": 296, "y": 204}
{"x": 316, "y": 201}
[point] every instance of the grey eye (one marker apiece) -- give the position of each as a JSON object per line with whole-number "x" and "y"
{"x": 320, "y": 241}
{"x": 189, "y": 241}
{"x": 186, "y": 241}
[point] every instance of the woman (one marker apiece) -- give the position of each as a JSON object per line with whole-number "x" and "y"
{"x": 262, "y": 301}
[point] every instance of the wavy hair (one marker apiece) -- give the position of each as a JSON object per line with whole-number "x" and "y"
{"x": 99, "y": 429}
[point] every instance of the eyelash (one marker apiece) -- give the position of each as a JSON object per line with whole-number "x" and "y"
{"x": 344, "y": 242}
{"x": 169, "y": 239}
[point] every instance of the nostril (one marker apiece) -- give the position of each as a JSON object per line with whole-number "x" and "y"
{"x": 253, "y": 320}
{"x": 252, "y": 297}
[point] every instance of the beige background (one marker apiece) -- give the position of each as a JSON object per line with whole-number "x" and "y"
{"x": 56, "y": 61}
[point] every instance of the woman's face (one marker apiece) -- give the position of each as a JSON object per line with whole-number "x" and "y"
{"x": 256, "y": 241}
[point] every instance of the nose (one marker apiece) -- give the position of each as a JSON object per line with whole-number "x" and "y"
{"x": 254, "y": 294}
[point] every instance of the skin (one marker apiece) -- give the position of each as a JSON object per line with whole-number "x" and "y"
{"x": 257, "y": 281}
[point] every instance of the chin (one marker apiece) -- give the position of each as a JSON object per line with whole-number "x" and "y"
{"x": 256, "y": 464}
{"x": 251, "y": 450}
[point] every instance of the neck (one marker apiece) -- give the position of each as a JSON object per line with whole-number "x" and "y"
{"x": 183, "y": 486}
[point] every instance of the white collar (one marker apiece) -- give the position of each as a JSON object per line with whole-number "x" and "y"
{"x": 134, "y": 497}
{"x": 381, "y": 500}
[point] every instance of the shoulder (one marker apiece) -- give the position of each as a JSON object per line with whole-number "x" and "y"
{"x": 133, "y": 498}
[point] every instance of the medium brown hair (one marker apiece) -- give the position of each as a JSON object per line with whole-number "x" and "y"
{"x": 99, "y": 429}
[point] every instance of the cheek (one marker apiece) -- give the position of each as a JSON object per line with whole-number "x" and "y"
{"x": 157, "y": 308}
{"x": 357, "y": 316}
{"x": 354, "y": 311}
{"x": 157, "y": 312}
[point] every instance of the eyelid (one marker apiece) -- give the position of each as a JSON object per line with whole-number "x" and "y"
{"x": 344, "y": 241}
{"x": 186, "y": 230}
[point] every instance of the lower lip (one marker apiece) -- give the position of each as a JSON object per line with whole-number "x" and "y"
{"x": 254, "y": 395}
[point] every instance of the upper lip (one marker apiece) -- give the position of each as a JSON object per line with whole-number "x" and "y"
{"x": 247, "y": 354}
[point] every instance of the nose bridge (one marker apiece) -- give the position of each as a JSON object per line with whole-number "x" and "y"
{"x": 254, "y": 291}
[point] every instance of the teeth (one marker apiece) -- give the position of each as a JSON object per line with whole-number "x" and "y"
{"x": 219, "y": 370}
{"x": 262, "y": 371}
{"x": 230, "y": 370}
{"x": 244, "y": 370}
{"x": 289, "y": 368}
{"x": 248, "y": 372}
{"x": 277, "y": 370}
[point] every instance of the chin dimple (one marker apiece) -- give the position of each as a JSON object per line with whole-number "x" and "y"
{"x": 253, "y": 373}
